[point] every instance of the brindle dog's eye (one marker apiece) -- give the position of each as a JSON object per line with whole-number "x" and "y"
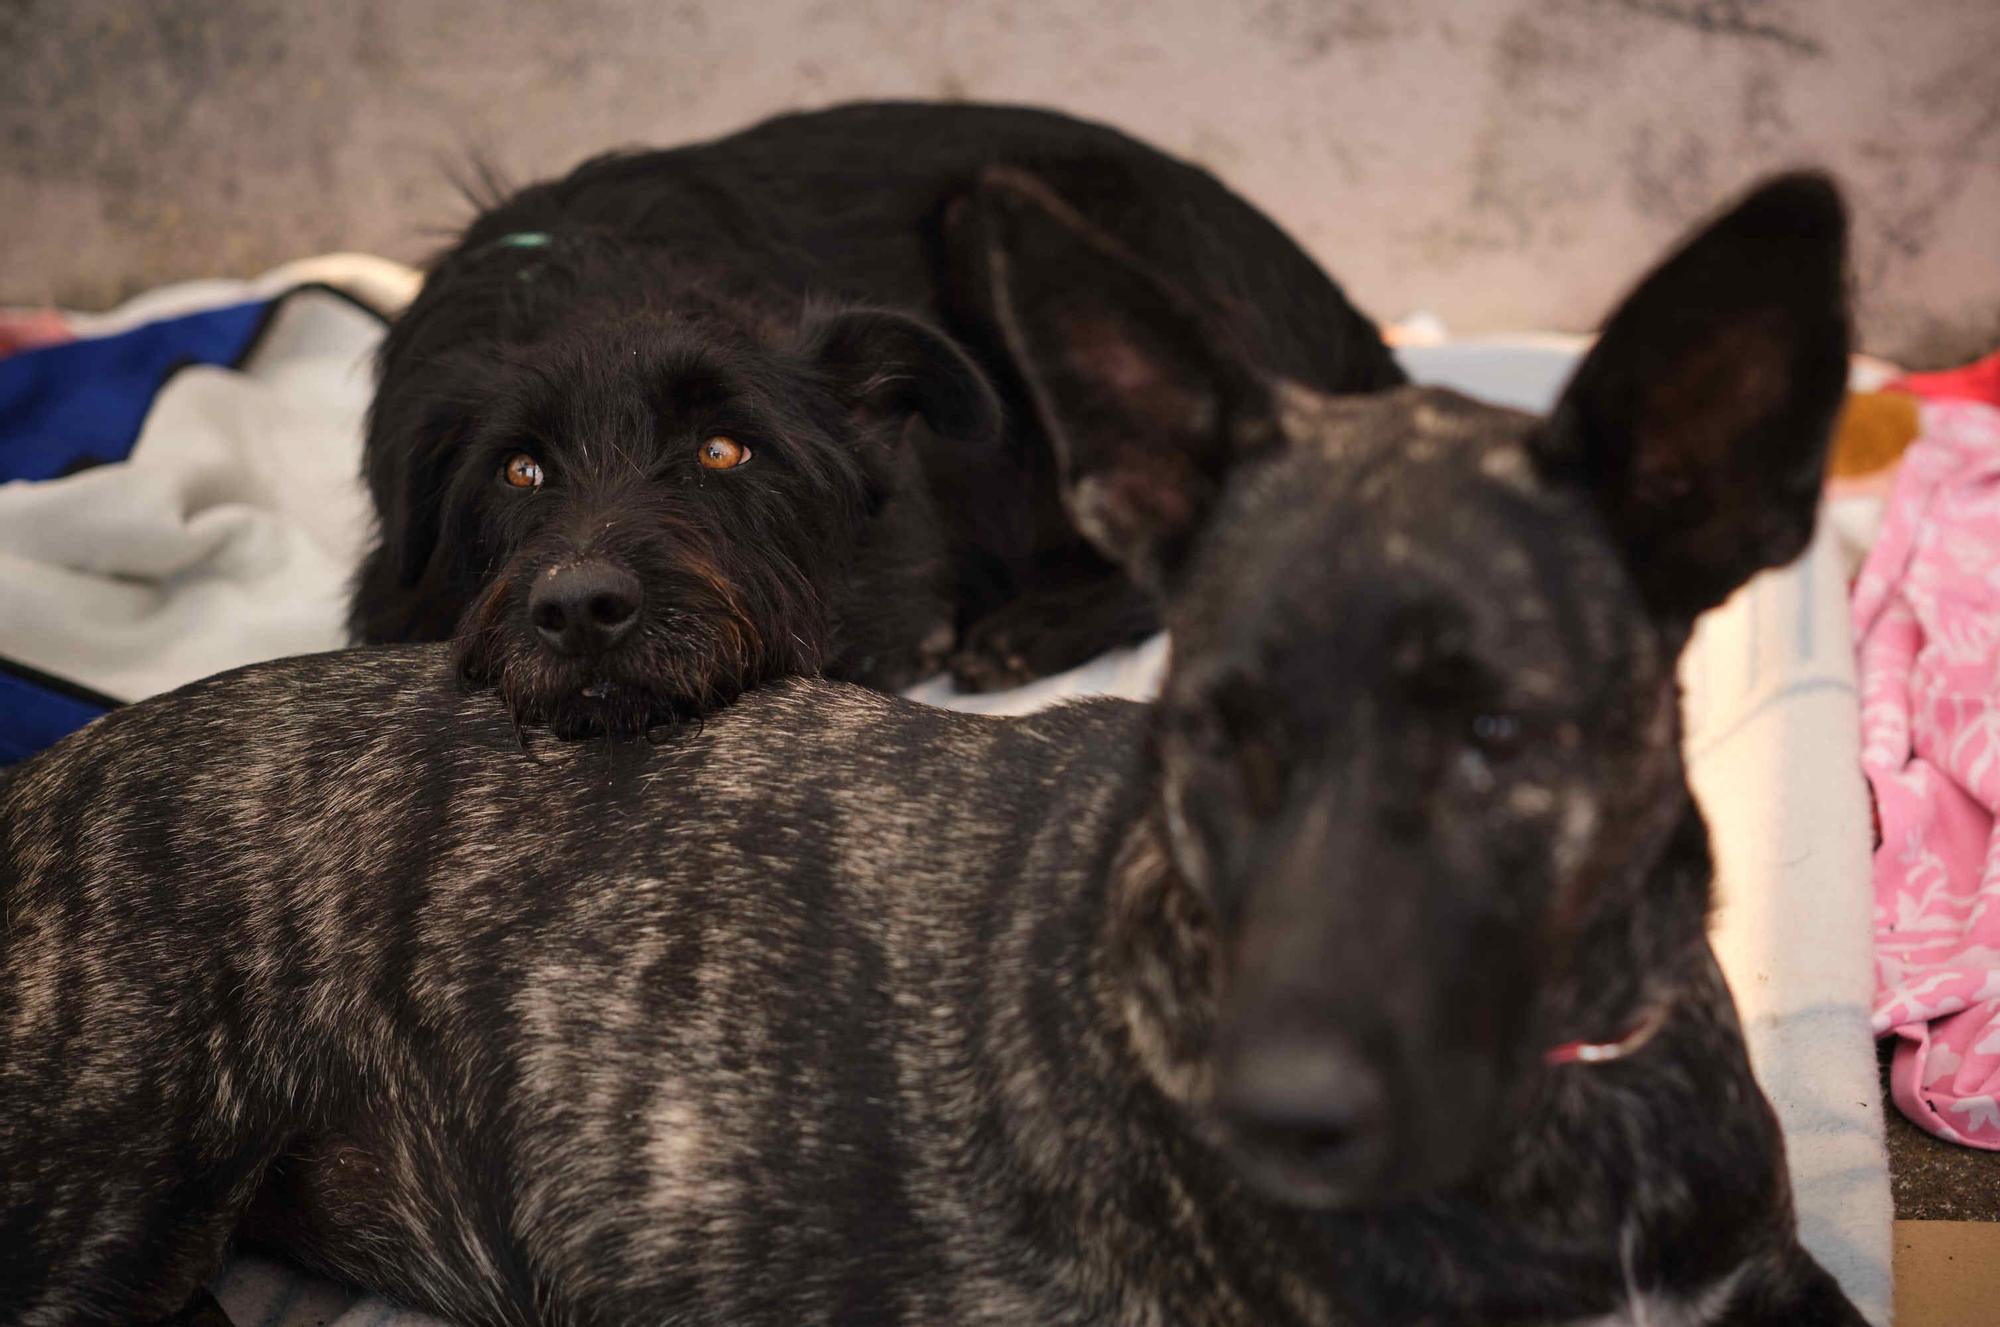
{"x": 1497, "y": 736}
{"x": 522, "y": 471}
{"x": 720, "y": 453}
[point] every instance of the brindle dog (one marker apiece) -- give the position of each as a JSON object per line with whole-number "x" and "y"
{"x": 1360, "y": 980}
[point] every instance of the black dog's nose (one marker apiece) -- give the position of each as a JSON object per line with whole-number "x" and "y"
{"x": 584, "y": 608}
{"x": 1312, "y": 1099}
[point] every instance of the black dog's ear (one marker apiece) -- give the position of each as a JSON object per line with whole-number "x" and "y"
{"x": 1145, "y": 398}
{"x": 414, "y": 431}
{"x": 887, "y": 366}
{"x": 1700, "y": 420}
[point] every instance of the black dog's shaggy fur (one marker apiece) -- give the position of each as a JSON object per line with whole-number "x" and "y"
{"x": 1232, "y": 1010}
{"x": 609, "y": 323}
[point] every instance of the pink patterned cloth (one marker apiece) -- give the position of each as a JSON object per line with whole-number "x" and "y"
{"x": 1927, "y": 625}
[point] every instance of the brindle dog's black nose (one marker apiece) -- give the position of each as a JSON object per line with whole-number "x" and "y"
{"x": 585, "y": 608}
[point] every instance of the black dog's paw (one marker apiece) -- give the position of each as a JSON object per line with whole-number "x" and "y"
{"x": 991, "y": 661}
{"x": 1029, "y": 638}
{"x": 898, "y": 670}
{"x": 1032, "y": 636}
{"x": 1051, "y": 631}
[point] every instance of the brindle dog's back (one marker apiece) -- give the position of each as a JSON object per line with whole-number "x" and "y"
{"x": 703, "y": 1019}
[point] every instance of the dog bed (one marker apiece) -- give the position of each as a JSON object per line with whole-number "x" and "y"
{"x": 225, "y": 530}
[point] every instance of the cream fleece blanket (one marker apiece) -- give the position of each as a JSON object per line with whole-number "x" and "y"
{"x": 229, "y": 534}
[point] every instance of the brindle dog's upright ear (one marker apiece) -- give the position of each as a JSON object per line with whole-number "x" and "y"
{"x": 1146, "y": 399}
{"x": 1700, "y": 420}
{"x": 887, "y": 366}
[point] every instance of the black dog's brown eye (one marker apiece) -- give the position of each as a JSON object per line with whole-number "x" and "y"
{"x": 522, "y": 471}
{"x": 720, "y": 453}
{"x": 1498, "y": 736}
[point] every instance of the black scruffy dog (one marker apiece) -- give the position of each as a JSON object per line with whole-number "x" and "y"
{"x": 683, "y": 420}
{"x": 1362, "y": 980}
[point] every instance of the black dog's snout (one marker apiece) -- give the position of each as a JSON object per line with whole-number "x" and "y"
{"x": 1313, "y": 1099}
{"x": 585, "y": 608}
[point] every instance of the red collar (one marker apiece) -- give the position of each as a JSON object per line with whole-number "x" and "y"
{"x": 1603, "y": 1052}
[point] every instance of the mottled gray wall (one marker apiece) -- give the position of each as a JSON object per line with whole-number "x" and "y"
{"x": 1507, "y": 163}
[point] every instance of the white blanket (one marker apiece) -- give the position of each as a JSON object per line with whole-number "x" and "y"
{"x": 230, "y": 533}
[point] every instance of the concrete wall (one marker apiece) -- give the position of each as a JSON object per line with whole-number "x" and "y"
{"x": 1506, "y": 163}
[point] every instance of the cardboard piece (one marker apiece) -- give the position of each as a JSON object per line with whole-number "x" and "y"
{"x": 1947, "y": 1274}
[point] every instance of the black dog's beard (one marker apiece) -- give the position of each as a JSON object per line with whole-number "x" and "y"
{"x": 702, "y": 640}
